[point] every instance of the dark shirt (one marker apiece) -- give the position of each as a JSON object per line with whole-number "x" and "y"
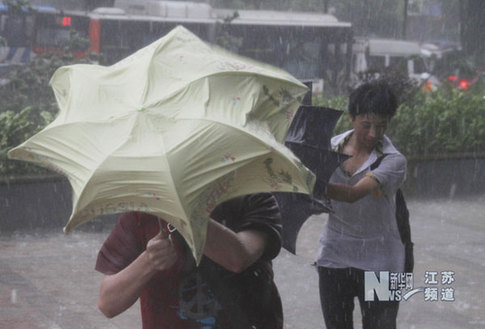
{"x": 207, "y": 296}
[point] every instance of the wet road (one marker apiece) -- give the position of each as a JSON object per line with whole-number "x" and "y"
{"x": 47, "y": 279}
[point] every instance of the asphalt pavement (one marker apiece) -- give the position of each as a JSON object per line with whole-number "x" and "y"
{"x": 47, "y": 279}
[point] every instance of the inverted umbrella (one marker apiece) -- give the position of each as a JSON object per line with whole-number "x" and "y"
{"x": 172, "y": 130}
{"x": 309, "y": 139}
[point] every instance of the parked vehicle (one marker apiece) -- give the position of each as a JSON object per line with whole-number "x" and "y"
{"x": 375, "y": 56}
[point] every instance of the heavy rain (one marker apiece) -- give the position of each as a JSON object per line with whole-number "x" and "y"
{"x": 432, "y": 51}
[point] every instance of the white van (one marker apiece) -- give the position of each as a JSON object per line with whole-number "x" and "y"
{"x": 377, "y": 55}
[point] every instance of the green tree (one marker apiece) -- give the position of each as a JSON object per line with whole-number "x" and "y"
{"x": 27, "y": 103}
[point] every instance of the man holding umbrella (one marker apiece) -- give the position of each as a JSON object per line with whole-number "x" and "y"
{"x": 231, "y": 288}
{"x": 172, "y": 131}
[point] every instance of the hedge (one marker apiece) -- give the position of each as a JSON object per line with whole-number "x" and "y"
{"x": 445, "y": 123}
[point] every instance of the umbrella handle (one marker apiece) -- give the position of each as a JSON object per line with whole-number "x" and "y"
{"x": 166, "y": 234}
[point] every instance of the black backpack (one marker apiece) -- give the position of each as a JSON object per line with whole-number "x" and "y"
{"x": 402, "y": 218}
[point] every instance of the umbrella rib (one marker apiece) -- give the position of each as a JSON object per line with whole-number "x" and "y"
{"x": 174, "y": 186}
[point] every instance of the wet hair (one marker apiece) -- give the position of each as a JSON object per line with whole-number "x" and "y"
{"x": 376, "y": 97}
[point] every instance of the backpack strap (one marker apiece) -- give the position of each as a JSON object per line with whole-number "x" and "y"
{"x": 402, "y": 217}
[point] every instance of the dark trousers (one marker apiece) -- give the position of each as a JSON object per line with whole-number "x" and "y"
{"x": 338, "y": 288}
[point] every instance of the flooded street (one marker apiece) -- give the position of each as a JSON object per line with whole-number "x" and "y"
{"x": 47, "y": 280}
{"x": 447, "y": 235}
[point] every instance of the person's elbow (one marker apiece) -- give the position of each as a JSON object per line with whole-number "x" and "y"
{"x": 107, "y": 305}
{"x": 246, "y": 257}
{"x": 105, "y": 308}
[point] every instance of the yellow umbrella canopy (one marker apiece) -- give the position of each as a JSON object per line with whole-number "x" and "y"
{"x": 172, "y": 130}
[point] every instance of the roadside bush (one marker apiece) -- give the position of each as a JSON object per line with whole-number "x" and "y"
{"x": 27, "y": 102}
{"x": 16, "y": 127}
{"x": 447, "y": 122}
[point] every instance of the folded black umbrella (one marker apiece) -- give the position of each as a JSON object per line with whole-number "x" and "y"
{"x": 309, "y": 139}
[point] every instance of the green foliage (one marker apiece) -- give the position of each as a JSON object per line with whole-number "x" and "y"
{"x": 16, "y": 128}
{"x": 28, "y": 86}
{"x": 448, "y": 121}
{"x": 27, "y": 102}
{"x": 443, "y": 123}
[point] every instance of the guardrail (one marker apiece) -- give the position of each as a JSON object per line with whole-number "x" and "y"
{"x": 446, "y": 175}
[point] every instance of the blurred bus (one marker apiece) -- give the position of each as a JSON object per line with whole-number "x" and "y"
{"x": 32, "y": 31}
{"x": 54, "y": 31}
{"x": 311, "y": 46}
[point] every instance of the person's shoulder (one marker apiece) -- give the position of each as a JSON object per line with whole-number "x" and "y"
{"x": 390, "y": 150}
{"x": 397, "y": 156}
{"x": 393, "y": 161}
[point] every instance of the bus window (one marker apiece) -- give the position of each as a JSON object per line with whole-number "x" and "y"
{"x": 3, "y": 25}
{"x": 261, "y": 48}
{"x": 121, "y": 38}
{"x": 17, "y": 30}
{"x": 376, "y": 63}
{"x": 419, "y": 65}
{"x": 15, "y": 34}
{"x": 52, "y": 37}
{"x": 52, "y": 31}
{"x": 303, "y": 56}
{"x": 307, "y": 52}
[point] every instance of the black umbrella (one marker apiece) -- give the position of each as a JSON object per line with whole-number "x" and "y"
{"x": 309, "y": 139}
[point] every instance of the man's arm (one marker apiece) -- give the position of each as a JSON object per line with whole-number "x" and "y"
{"x": 121, "y": 290}
{"x": 352, "y": 193}
{"x": 234, "y": 251}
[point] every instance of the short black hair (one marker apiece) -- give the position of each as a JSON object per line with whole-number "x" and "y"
{"x": 375, "y": 97}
